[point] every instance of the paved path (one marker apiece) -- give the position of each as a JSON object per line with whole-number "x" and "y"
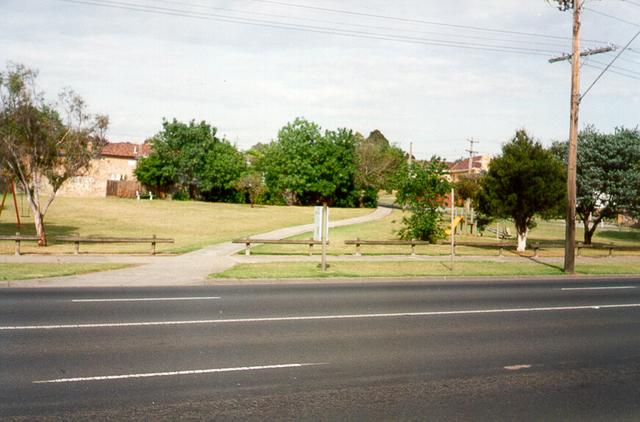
{"x": 184, "y": 270}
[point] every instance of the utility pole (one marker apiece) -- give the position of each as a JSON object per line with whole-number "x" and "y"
{"x": 471, "y": 152}
{"x": 570, "y": 232}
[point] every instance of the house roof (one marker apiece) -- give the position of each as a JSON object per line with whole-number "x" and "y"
{"x": 126, "y": 150}
{"x": 463, "y": 165}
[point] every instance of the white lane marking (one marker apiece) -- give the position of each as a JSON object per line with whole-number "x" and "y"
{"x": 145, "y": 299}
{"x": 318, "y": 317}
{"x": 174, "y": 373}
{"x": 598, "y": 288}
{"x": 517, "y": 367}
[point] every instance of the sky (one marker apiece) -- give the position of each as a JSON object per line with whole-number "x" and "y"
{"x": 431, "y": 73}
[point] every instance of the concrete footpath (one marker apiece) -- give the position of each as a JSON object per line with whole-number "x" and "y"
{"x": 184, "y": 270}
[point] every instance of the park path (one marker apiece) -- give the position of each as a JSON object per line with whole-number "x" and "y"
{"x": 184, "y": 270}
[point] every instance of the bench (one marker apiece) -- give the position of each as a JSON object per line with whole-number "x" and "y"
{"x": 248, "y": 242}
{"x": 395, "y": 242}
{"x": 144, "y": 195}
{"x": 20, "y": 238}
{"x": 153, "y": 240}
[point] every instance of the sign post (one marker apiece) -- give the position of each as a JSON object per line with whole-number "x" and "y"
{"x": 321, "y": 231}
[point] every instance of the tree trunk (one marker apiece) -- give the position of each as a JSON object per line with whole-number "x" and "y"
{"x": 522, "y": 240}
{"x": 39, "y": 221}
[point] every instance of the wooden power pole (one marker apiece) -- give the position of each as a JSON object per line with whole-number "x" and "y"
{"x": 570, "y": 232}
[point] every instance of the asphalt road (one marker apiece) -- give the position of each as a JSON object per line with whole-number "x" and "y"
{"x": 520, "y": 350}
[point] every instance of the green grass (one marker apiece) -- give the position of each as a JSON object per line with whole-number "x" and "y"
{"x": 414, "y": 269}
{"x": 28, "y": 271}
{"x": 193, "y": 224}
{"x": 547, "y": 232}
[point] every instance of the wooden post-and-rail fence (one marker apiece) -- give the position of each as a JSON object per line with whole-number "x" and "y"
{"x": 77, "y": 240}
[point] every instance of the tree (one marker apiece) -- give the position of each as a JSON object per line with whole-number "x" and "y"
{"x": 377, "y": 161}
{"x": 252, "y": 185}
{"x": 524, "y": 182}
{"x": 306, "y": 166}
{"x": 43, "y": 142}
{"x": 190, "y": 160}
{"x": 607, "y": 175}
{"x": 421, "y": 191}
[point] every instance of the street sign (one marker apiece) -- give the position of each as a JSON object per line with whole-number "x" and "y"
{"x": 317, "y": 223}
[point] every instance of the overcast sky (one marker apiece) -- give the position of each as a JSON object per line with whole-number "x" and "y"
{"x": 251, "y": 76}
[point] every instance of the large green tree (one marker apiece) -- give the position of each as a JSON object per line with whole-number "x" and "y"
{"x": 421, "y": 190}
{"x": 525, "y": 181}
{"x": 306, "y": 166}
{"x": 189, "y": 159}
{"x": 607, "y": 175}
{"x": 44, "y": 143}
{"x": 377, "y": 162}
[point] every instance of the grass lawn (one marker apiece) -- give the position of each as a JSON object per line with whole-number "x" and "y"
{"x": 27, "y": 271}
{"x": 547, "y": 232}
{"x": 192, "y": 224}
{"x": 415, "y": 269}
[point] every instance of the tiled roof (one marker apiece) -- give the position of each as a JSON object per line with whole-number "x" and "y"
{"x": 126, "y": 150}
{"x": 463, "y": 165}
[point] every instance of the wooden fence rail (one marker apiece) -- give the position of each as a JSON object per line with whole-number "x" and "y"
{"x": 249, "y": 242}
{"x": 394, "y": 242}
{"x": 153, "y": 240}
{"x": 18, "y": 238}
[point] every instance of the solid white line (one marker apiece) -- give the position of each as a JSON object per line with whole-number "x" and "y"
{"x": 598, "y": 288}
{"x": 174, "y": 373}
{"x": 145, "y": 299}
{"x": 319, "y": 317}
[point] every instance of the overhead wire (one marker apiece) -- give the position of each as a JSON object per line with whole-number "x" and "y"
{"x": 412, "y": 20}
{"x": 310, "y": 28}
{"x": 554, "y": 43}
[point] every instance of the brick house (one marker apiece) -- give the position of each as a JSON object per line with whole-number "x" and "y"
{"x": 117, "y": 162}
{"x": 459, "y": 169}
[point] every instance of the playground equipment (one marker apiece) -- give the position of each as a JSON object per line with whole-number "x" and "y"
{"x": 5, "y": 185}
{"x": 456, "y": 222}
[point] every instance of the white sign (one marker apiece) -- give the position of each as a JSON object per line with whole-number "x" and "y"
{"x": 317, "y": 223}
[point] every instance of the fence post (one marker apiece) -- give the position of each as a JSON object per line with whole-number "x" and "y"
{"x": 311, "y": 247}
{"x": 358, "y": 252}
{"x": 153, "y": 245}
{"x": 536, "y": 246}
{"x": 247, "y": 248}
{"x": 77, "y": 242}
{"x": 413, "y": 247}
{"x": 17, "y": 243}
{"x": 610, "y": 250}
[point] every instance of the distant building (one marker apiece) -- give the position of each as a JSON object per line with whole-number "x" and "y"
{"x": 460, "y": 168}
{"x": 117, "y": 162}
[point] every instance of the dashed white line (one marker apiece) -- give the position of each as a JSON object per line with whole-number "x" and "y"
{"x": 145, "y": 299}
{"x": 598, "y": 288}
{"x": 516, "y": 367}
{"x": 174, "y": 373}
{"x": 321, "y": 317}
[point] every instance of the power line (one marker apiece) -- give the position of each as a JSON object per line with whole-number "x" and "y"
{"x": 611, "y": 16}
{"x": 610, "y": 64}
{"x": 621, "y": 69}
{"x": 352, "y": 24}
{"x": 418, "y": 21}
{"x": 612, "y": 71}
{"x": 631, "y": 2}
{"x": 309, "y": 28}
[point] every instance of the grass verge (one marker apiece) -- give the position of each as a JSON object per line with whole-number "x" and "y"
{"x": 416, "y": 269}
{"x": 28, "y": 271}
{"x": 192, "y": 224}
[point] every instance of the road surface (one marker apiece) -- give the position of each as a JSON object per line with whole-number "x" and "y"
{"x": 525, "y": 349}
